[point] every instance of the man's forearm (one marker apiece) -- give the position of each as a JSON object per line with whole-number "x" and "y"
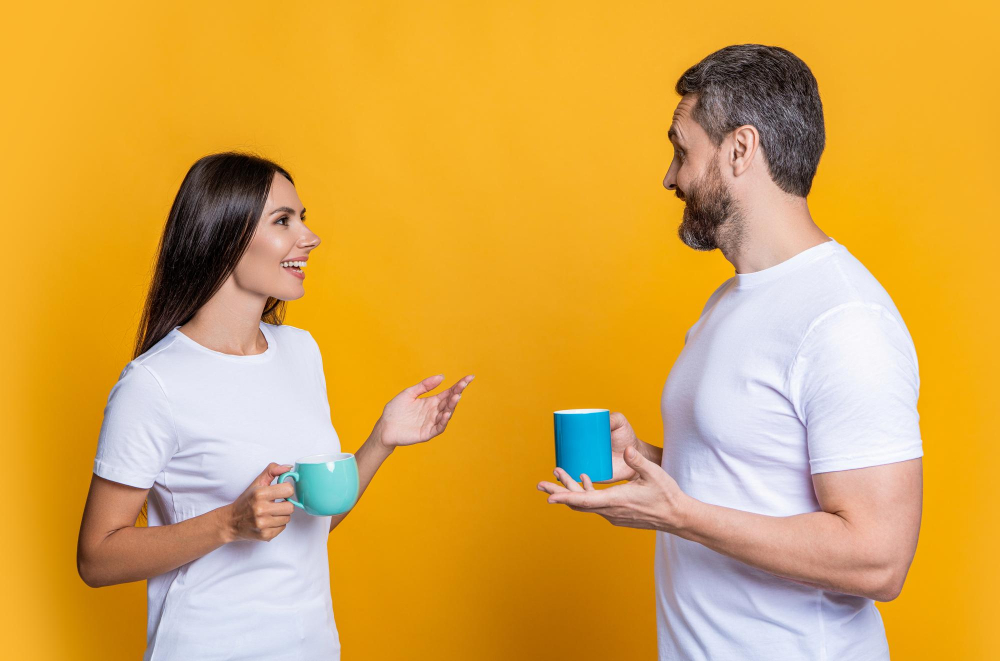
{"x": 818, "y": 548}
{"x": 652, "y": 452}
{"x": 370, "y": 457}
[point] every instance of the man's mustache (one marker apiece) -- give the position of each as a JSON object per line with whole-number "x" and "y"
{"x": 678, "y": 193}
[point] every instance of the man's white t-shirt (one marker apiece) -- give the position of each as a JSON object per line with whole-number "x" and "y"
{"x": 802, "y": 368}
{"x": 196, "y": 426}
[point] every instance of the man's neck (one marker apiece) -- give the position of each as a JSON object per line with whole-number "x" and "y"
{"x": 773, "y": 231}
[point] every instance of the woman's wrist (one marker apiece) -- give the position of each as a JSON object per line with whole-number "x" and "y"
{"x": 225, "y": 525}
{"x": 377, "y": 439}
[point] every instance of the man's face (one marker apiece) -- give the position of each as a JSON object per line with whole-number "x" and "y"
{"x": 695, "y": 177}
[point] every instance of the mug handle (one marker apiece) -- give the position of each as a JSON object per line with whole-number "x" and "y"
{"x": 295, "y": 476}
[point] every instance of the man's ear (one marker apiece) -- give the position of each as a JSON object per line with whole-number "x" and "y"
{"x": 745, "y": 146}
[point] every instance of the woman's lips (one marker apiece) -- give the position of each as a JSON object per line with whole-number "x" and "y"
{"x": 294, "y": 271}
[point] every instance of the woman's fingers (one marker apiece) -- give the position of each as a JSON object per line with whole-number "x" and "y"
{"x": 450, "y": 397}
{"x": 587, "y": 484}
{"x": 428, "y": 384}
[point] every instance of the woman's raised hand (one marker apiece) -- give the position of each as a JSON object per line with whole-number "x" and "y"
{"x": 409, "y": 418}
{"x": 255, "y": 515}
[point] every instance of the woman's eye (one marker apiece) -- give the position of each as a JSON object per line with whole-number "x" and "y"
{"x": 283, "y": 218}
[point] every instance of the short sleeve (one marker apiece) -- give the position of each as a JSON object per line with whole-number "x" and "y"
{"x": 137, "y": 436}
{"x": 317, "y": 362}
{"x": 854, "y": 384}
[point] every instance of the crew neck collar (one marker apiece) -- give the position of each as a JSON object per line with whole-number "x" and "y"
{"x": 807, "y": 256}
{"x": 268, "y": 353}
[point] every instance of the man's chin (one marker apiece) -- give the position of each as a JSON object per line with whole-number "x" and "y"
{"x": 695, "y": 239}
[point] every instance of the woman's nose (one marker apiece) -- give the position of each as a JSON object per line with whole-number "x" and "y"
{"x": 311, "y": 240}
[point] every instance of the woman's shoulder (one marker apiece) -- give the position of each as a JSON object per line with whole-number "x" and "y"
{"x": 293, "y": 335}
{"x": 289, "y": 332}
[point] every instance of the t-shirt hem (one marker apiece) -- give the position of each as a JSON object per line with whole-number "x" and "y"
{"x": 850, "y": 462}
{"x": 122, "y": 475}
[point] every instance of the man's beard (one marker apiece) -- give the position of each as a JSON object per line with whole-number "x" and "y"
{"x": 712, "y": 218}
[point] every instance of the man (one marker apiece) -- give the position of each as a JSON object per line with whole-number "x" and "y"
{"x": 787, "y": 495}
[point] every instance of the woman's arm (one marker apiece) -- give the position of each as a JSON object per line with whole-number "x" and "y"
{"x": 369, "y": 457}
{"x": 407, "y": 419}
{"x": 112, "y": 550}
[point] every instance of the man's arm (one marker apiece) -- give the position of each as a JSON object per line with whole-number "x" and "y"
{"x": 862, "y": 542}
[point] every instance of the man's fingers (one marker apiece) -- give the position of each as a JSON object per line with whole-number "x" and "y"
{"x": 568, "y": 481}
{"x": 582, "y": 499}
{"x": 617, "y": 420}
{"x": 587, "y": 484}
{"x": 639, "y": 463}
{"x": 551, "y": 487}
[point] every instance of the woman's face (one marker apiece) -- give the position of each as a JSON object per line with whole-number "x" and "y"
{"x": 281, "y": 239}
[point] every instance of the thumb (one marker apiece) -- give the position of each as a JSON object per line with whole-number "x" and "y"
{"x": 428, "y": 384}
{"x": 637, "y": 462}
{"x": 272, "y": 471}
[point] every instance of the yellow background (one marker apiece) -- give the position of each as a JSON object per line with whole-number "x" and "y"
{"x": 486, "y": 180}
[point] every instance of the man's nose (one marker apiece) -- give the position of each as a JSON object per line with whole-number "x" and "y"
{"x": 670, "y": 179}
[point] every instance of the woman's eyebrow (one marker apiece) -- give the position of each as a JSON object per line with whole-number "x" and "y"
{"x": 287, "y": 210}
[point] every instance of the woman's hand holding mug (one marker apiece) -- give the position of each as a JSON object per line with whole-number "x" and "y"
{"x": 255, "y": 515}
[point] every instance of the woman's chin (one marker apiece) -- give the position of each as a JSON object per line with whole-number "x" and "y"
{"x": 289, "y": 295}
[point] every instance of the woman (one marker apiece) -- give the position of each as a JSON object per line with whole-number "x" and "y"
{"x": 219, "y": 400}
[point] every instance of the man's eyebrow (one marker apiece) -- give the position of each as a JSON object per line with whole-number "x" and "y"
{"x": 287, "y": 210}
{"x": 673, "y": 134}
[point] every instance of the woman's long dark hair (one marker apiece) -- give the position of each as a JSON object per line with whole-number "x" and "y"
{"x": 210, "y": 226}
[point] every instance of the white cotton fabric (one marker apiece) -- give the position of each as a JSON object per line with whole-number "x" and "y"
{"x": 196, "y": 426}
{"x": 805, "y": 367}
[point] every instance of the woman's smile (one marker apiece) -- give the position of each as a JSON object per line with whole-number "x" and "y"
{"x": 295, "y": 266}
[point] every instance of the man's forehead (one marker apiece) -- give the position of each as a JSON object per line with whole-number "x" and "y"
{"x": 682, "y": 116}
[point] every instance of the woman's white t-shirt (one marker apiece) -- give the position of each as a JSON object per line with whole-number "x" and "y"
{"x": 196, "y": 426}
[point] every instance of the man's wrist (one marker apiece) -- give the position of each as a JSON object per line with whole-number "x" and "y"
{"x": 649, "y": 451}
{"x": 684, "y": 516}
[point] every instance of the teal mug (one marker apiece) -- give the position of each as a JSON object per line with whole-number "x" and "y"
{"x": 325, "y": 484}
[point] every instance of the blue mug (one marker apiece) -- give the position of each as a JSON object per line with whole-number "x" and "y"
{"x": 326, "y": 484}
{"x": 583, "y": 443}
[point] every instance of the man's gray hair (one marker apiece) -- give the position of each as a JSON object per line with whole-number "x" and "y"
{"x": 770, "y": 89}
